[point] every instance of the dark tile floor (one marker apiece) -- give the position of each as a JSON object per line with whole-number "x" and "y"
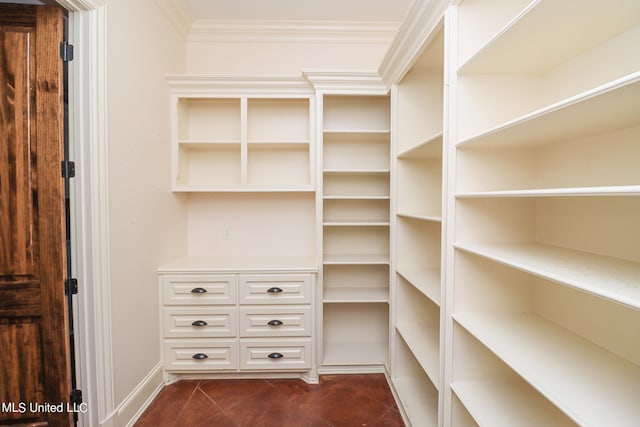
{"x": 339, "y": 400}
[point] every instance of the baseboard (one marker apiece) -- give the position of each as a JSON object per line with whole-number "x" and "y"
{"x": 351, "y": 369}
{"x": 396, "y": 397}
{"x": 128, "y": 412}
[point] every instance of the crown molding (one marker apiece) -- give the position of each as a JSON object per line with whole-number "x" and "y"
{"x": 346, "y": 82}
{"x": 255, "y": 31}
{"x": 177, "y": 14}
{"x": 80, "y": 5}
{"x": 206, "y": 84}
{"x": 419, "y": 26}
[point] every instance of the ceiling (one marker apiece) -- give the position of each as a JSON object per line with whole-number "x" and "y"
{"x": 299, "y": 10}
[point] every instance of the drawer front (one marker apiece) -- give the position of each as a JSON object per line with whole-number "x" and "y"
{"x": 199, "y": 289}
{"x": 199, "y": 322}
{"x": 274, "y": 355}
{"x": 275, "y": 289}
{"x": 275, "y": 321}
{"x": 200, "y": 355}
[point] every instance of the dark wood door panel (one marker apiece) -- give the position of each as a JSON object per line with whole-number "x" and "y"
{"x": 20, "y": 366}
{"x": 16, "y": 186}
{"x": 34, "y": 347}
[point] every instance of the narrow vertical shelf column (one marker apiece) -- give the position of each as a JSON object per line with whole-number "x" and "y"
{"x": 418, "y": 191}
{"x": 354, "y": 223}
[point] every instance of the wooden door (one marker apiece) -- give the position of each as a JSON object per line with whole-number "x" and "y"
{"x": 34, "y": 349}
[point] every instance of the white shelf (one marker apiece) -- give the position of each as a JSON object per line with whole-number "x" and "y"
{"x": 265, "y": 264}
{"x": 355, "y": 295}
{"x": 374, "y": 259}
{"x": 356, "y": 197}
{"x": 589, "y": 384}
{"x": 420, "y": 216}
{"x": 420, "y": 402}
{"x": 615, "y": 105}
{"x": 619, "y": 190}
{"x": 355, "y": 353}
{"x": 429, "y": 149}
{"x": 529, "y": 43}
{"x": 189, "y": 188}
{"x": 356, "y": 171}
{"x": 424, "y": 343}
{"x": 279, "y": 143}
{"x": 508, "y": 404}
{"x": 426, "y": 280}
{"x": 611, "y": 278}
{"x": 356, "y": 223}
{"x": 353, "y": 132}
{"x": 213, "y": 142}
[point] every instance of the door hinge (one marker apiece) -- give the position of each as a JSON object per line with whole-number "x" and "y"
{"x": 68, "y": 169}
{"x": 71, "y": 285}
{"x": 66, "y": 51}
{"x": 75, "y": 397}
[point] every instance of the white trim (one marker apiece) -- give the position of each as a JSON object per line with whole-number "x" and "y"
{"x": 177, "y": 14}
{"x": 206, "y": 84}
{"x": 80, "y": 5}
{"x": 346, "y": 82}
{"x": 100, "y": 213}
{"x": 418, "y": 26}
{"x": 89, "y": 142}
{"x": 261, "y": 31}
{"x": 140, "y": 398}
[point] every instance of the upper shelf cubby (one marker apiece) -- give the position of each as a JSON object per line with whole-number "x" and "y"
{"x": 544, "y": 57}
{"x": 278, "y": 120}
{"x": 209, "y": 120}
{"x": 420, "y": 98}
{"x": 530, "y": 37}
{"x": 357, "y": 114}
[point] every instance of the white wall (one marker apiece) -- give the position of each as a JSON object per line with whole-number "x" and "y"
{"x": 245, "y": 50}
{"x": 147, "y": 222}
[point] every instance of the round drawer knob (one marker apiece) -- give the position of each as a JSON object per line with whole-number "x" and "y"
{"x": 274, "y": 322}
{"x": 198, "y": 291}
{"x": 199, "y": 323}
{"x": 200, "y": 356}
{"x": 275, "y": 356}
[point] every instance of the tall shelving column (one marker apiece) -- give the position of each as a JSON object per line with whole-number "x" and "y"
{"x": 418, "y": 114}
{"x": 355, "y": 229}
{"x": 546, "y": 283}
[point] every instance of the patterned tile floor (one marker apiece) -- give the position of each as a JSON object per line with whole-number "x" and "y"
{"x": 339, "y": 400}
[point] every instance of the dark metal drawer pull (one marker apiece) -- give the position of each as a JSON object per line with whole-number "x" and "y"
{"x": 275, "y": 356}
{"x": 274, "y": 290}
{"x": 198, "y": 291}
{"x": 274, "y": 323}
{"x": 200, "y": 356}
{"x": 199, "y": 323}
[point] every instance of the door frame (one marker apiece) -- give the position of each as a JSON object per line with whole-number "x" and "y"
{"x": 89, "y": 209}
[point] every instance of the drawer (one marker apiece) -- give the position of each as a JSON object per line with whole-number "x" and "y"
{"x": 200, "y": 355}
{"x": 263, "y": 321}
{"x": 273, "y": 355}
{"x": 274, "y": 289}
{"x": 199, "y": 289}
{"x": 199, "y": 322}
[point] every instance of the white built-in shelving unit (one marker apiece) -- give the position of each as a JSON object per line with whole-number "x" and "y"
{"x": 355, "y": 231}
{"x": 545, "y": 257}
{"x": 242, "y": 134}
{"x": 476, "y": 232}
{"x": 417, "y": 281}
